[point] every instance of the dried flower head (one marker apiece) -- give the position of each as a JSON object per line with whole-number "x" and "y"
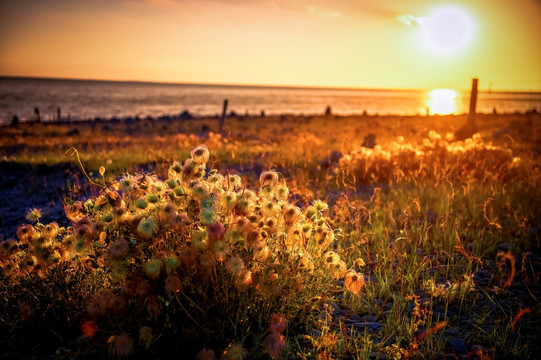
{"x": 261, "y": 251}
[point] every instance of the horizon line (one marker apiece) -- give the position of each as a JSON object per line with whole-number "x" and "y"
{"x": 282, "y": 86}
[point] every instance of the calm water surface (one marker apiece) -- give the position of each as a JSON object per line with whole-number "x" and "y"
{"x": 83, "y": 100}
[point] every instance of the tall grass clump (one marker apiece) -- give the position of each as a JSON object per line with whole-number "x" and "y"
{"x": 194, "y": 263}
{"x": 442, "y": 225}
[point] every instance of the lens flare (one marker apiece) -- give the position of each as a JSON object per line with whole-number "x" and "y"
{"x": 447, "y": 29}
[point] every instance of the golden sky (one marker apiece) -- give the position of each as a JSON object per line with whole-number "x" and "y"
{"x": 337, "y": 43}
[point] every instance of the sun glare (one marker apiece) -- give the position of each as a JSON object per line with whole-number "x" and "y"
{"x": 447, "y": 29}
{"x": 442, "y": 102}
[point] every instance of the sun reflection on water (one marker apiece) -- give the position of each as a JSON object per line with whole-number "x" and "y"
{"x": 442, "y": 102}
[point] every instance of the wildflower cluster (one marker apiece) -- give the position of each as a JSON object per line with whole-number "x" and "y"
{"x": 197, "y": 250}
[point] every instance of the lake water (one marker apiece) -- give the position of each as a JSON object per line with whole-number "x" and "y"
{"x": 84, "y": 100}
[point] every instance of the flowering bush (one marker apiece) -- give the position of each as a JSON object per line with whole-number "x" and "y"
{"x": 194, "y": 260}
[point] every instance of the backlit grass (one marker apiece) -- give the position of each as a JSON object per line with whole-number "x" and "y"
{"x": 419, "y": 247}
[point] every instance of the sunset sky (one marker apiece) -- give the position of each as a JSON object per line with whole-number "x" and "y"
{"x": 337, "y": 43}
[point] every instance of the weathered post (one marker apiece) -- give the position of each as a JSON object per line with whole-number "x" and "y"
{"x": 222, "y": 119}
{"x": 473, "y": 103}
{"x": 468, "y": 129}
{"x": 58, "y": 114}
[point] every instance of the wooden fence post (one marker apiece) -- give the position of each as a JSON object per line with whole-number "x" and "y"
{"x": 473, "y": 103}
{"x": 222, "y": 119}
{"x": 468, "y": 129}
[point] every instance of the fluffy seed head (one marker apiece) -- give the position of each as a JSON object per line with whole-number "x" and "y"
{"x": 206, "y": 354}
{"x": 208, "y": 215}
{"x": 121, "y": 345}
{"x": 147, "y": 227}
{"x": 268, "y": 178}
{"x": 117, "y": 305}
{"x": 244, "y": 279}
{"x": 200, "y": 154}
{"x": 173, "y": 284}
{"x": 188, "y": 256}
{"x": 145, "y": 336}
{"x": 141, "y": 204}
{"x": 171, "y": 263}
{"x": 25, "y": 233}
{"x": 235, "y": 265}
{"x": 275, "y": 344}
{"x": 153, "y": 268}
{"x": 277, "y": 324}
{"x": 119, "y": 248}
{"x": 143, "y": 289}
{"x": 221, "y": 249}
{"x": 33, "y": 214}
{"x": 50, "y": 230}
{"x": 235, "y": 352}
{"x": 291, "y": 215}
{"x": 215, "y": 231}
{"x": 207, "y": 261}
{"x": 354, "y": 282}
{"x": 154, "y": 306}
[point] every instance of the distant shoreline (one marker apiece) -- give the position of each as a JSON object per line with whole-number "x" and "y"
{"x": 187, "y": 116}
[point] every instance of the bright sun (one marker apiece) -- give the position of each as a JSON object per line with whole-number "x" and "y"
{"x": 446, "y": 30}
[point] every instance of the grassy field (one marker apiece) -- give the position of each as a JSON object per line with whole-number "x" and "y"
{"x": 421, "y": 246}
